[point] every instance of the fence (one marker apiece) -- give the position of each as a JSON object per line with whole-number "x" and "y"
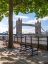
{"x": 40, "y": 41}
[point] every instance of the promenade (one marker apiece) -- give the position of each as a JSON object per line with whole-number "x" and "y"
{"x": 13, "y": 56}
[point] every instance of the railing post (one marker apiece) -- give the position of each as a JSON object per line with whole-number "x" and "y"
{"x": 14, "y": 38}
{"x": 25, "y": 41}
{"x": 31, "y": 41}
{"x": 38, "y": 41}
{"x": 17, "y": 39}
{"x": 21, "y": 40}
{"x": 47, "y": 43}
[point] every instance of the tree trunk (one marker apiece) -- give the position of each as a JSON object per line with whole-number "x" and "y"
{"x": 10, "y": 43}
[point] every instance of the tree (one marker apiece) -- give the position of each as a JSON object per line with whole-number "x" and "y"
{"x": 7, "y": 7}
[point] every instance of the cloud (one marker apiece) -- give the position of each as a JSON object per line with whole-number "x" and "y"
{"x": 14, "y": 20}
{"x": 18, "y": 16}
{"x": 26, "y": 30}
{"x": 43, "y": 19}
{"x": 3, "y": 28}
{"x": 31, "y": 21}
{"x": 7, "y": 20}
{"x": 14, "y": 31}
{"x": 2, "y": 25}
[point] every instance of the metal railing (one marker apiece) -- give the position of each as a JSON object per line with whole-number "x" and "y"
{"x": 38, "y": 40}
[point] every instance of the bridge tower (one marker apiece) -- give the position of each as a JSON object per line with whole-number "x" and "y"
{"x": 38, "y": 28}
{"x": 19, "y": 27}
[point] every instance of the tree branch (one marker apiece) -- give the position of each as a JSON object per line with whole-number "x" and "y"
{"x": 19, "y": 3}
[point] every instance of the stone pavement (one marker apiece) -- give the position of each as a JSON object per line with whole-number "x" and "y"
{"x": 13, "y": 56}
{"x": 1, "y": 44}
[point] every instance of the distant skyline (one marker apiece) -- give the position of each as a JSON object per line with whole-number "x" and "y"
{"x": 26, "y": 18}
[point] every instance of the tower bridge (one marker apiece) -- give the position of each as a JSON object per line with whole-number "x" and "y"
{"x": 23, "y": 24}
{"x": 19, "y": 25}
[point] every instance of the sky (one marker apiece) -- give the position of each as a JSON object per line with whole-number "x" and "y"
{"x": 26, "y": 18}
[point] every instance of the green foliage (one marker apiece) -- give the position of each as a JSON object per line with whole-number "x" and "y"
{"x": 4, "y": 7}
{"x": 40, "y": 7}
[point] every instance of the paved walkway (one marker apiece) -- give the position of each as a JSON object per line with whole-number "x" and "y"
{"x": 13, "y": 56}
{"x": 1, "y": 44}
